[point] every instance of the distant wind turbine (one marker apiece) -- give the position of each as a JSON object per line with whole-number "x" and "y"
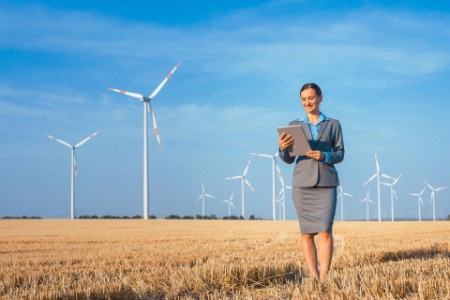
{"x": 341, "y": 199}
{"x": 272, "y": 157}
{"x": 73, "y": 168}
{"x": 281, "y": 199}
{"x": 229, "y": 201}
{"x": 243, "y": 180}
{"x": 147, "y": 109}
{"x": 393, "y": 193}
{"x": 419, "y": 200}
{"x": 433, "y": 190}
{"x": 376, "y": 175}
{"x": 202, "y": 197}
{"x": 367, "y": 200}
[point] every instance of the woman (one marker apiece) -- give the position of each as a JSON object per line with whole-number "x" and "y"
{"x": 315, "y": 179}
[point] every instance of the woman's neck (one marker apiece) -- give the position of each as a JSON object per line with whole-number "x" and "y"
{"x": 313, "y": 117}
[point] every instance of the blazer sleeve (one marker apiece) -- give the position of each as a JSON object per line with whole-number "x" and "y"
{"x": 338, "y": 151}
{"x": 284, "y": 155}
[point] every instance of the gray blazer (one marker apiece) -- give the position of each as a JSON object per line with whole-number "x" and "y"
{"x": 309, "y": 172}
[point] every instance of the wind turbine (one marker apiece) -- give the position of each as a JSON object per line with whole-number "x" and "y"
{"x": 281, "y": 199}
{"x": 243, "y": 179}
{"x": 367, "y": 200}
{"x": 229, "y": 201}
{"x": 272, "y": 157}
{"x": 393, "y": 193}
{"x": 376, "y": 175}
{"x": 433, "y": 190}
{"x": 419, "y": 200}
{"x": 202, "y": 197}
{"x": 74, "y": 168}
{"x": 341, "y": 197}
{"x": 148, "y": 109}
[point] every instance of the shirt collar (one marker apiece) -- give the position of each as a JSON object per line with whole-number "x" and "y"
{"x": 322, "y": 118}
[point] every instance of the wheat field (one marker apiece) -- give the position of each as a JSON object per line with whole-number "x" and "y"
{"x": 218, "y": 259}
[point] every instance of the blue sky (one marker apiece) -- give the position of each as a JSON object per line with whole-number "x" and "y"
{"x": 384, "y": 69}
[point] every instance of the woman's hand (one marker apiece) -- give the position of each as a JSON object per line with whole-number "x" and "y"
{"x": 285, "y": 141}
{"x": 317, "y": 155}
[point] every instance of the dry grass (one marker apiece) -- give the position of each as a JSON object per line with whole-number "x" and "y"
{"x": 200, "y": 259}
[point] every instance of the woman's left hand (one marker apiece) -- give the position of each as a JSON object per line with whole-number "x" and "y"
{"x": 317, "y": 154}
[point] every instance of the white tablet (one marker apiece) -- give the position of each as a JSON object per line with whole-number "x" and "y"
{"x": 301, "y": 144}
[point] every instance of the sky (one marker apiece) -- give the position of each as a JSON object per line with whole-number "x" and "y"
{"x": 383, "y": 66}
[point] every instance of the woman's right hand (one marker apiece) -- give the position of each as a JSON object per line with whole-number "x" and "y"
{"x": 285, "y": 141}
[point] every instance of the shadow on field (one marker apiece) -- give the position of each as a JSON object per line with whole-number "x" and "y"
{"x": 125, "y": 294}
{"x": 432, "y": 252}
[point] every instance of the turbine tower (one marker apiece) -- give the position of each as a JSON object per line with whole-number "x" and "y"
{"x": 147, "y": 109}
{"x": 229, "y": 201}
{"x": 74, "y": 169}
{"x": 376, "y": 175}
{"x": 419, "y": 200}
{"x": 243, "y": 180}
{"x": 433, "y": 190}
{"x": 367, "y": 200}
{"x": 281, "y": 199}
{"x": 393, "y": 192}
{"x": 202, "y": 197}
{"x": 341, "y": 197}
{"x": 272, "y": 157}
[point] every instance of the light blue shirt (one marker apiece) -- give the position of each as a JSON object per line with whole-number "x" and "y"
{"x": 314, "y": 128}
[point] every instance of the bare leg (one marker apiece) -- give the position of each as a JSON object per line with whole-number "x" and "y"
{"x": 325, "y": 253}
{"x": 310, "y": 254}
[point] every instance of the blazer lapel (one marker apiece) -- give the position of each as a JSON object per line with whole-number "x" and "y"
{"x": 307, "y": 132}
{"x": 322, "y": 128}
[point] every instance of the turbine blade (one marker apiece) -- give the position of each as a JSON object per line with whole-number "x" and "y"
{"x": 152, "y": 114}
{"x": 423, "y": 190}
{"x": 429, "y": 185}
{"x": 232, "y": 205}
{"x": 86, "y": 139}
{"x": 75, "y": 167}
{"x": 261, "y": 155}
{"x": 395, "y": 194}
{"x": 248, "y": 183}
{"x": 387, "y": 176}
{"x": 208, "y": 195}
{"x": 134, "y": 95}
{"x": 280, "y": 176}
{"x": 60, "y": 141}
{"x": 233, "y": 177}
{"x": 371, "y": 178}
{"x": 440, "y": 188}
{"x": 156, "y": 91}
{"x": 246, "y": 168}
{"x": 346, "y": 194}
{"x": 378, "y": 165}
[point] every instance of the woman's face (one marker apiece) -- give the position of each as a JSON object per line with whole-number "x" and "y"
{"x": 310, "y": 100}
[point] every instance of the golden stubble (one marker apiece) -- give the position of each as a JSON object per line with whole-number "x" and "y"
{"x": 218, "y": 259}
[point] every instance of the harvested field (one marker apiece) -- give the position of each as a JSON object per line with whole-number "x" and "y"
{"x": 218, "y": 259}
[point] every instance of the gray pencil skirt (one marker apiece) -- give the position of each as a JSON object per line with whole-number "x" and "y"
{"x": 316, "y": 207}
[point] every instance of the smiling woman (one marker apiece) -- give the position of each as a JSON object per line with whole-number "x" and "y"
{"x": 315, "y": 179}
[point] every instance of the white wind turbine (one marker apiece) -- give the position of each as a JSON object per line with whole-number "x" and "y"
{"x": 341, "y": 199}
{"x": 367, "y": 200}
{"x": 393, "y": 192}
{"x": 147, "y": 109}
{"x": 419, "y": 200}
{"x": 202, "y": 197}
{"x": 272, "y": 157}
{"x": 281, "y": 199}
{"x": 433, "y": 190}
{"x": 74, "y": 168}
{"x": 243, "y": 179}
{"x": 376, "y": 175}
{"x": 229, "y": 201}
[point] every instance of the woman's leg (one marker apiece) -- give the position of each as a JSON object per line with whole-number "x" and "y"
{"x": 310, "y": 253}
{"x": 325, "y": 253}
